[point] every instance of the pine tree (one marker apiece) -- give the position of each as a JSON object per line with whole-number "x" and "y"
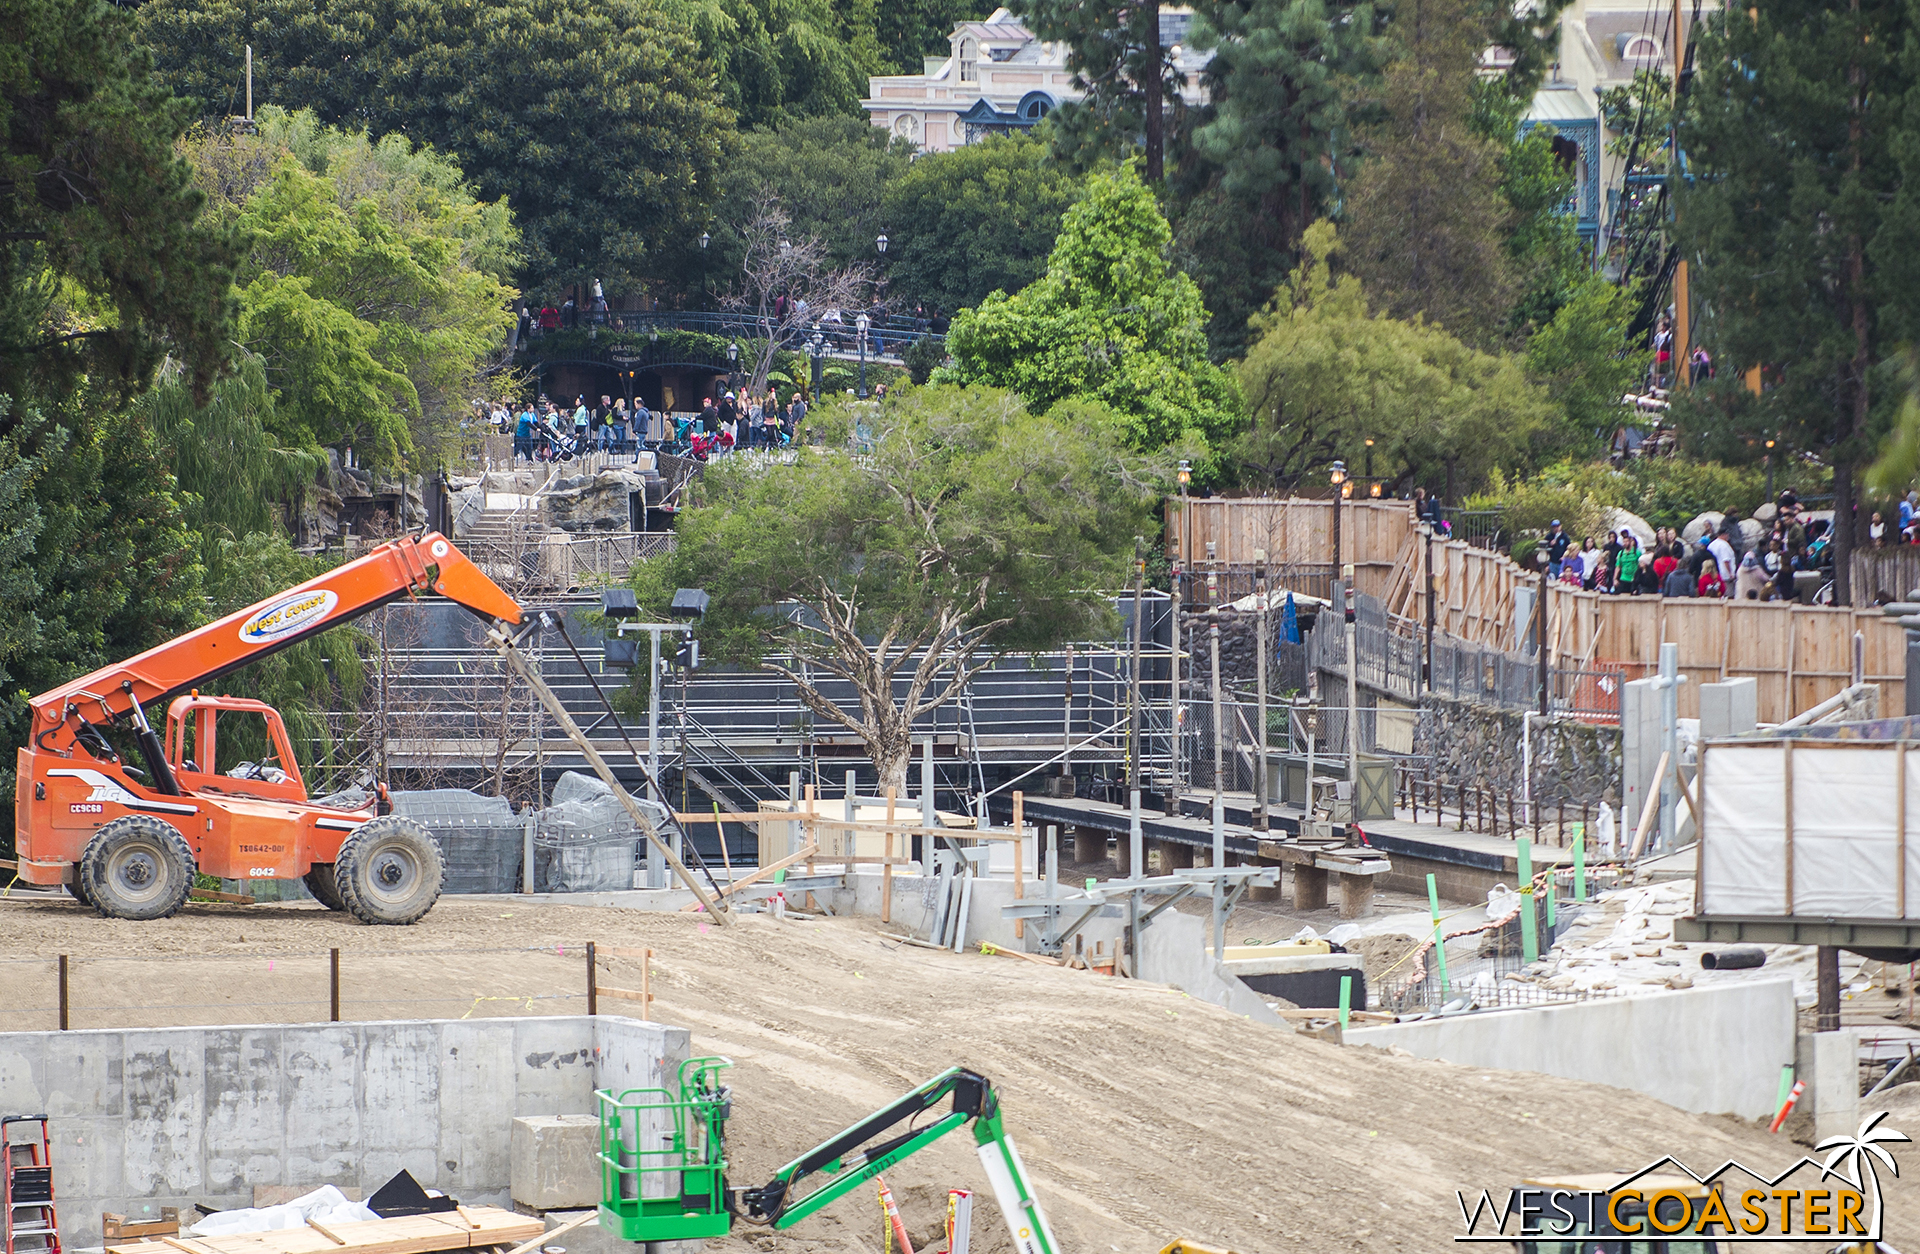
{"x": 1799, "y": 132}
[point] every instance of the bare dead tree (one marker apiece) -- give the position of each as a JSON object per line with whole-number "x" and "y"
{"x": 779, "y": 266}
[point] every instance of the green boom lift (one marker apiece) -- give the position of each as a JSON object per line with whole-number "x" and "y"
{"x": 663, "y": 1161}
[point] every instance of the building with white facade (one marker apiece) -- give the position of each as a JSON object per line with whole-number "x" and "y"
{"x": 997, "y": 77}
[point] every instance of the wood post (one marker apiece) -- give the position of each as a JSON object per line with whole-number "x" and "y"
{"x": 333, "y": 985}
{"x": 1174, "y": 856}
{"x": 593, "y": 984}
{"x": 1826, "y": 963}
{"x": 64, "y": 1024}
{"x": 646, "y": 984}
{"x": 1255, "y": 892}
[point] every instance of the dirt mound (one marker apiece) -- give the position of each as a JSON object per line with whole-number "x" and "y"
{"x": 1142, "y": 1114}
{"x": 1384, "y": 954}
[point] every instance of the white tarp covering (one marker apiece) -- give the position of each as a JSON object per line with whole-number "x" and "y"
{"x": 1843, "y": 841}
{"x": 325, "y": 1205}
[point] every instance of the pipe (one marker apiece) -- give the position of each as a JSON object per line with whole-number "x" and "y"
{"x": 1738, "y": 958}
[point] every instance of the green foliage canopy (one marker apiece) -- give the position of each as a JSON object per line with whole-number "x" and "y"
{"x": 1107, "y": 323}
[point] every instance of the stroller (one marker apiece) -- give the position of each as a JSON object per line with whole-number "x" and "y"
{"x": 554, "y": 446}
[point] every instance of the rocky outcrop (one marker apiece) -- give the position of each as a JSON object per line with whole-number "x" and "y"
{"x": 599, "y": 502}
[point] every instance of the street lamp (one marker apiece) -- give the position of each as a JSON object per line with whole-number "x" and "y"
{"x": 1769, "y": 460}
{"x": 653, "y": 333}
{"x": 705, "y": 239}
{"x": 860, "y": 325}
{"x": 1369, "y": 474}
{"x": 786, "y": 248}
{"x": 881, "y": 243}
{"x": 1337, "y": 476}
{"x": 816, "y": 349}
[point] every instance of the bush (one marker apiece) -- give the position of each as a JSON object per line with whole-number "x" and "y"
{"x": 1529, "y": 507}
{"x": 923, "y": 357}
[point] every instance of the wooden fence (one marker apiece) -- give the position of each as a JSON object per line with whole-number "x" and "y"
{"x": 1799, "y": 654}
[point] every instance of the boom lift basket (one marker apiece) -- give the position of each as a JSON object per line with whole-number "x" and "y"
{"x": 663, "y": 1159}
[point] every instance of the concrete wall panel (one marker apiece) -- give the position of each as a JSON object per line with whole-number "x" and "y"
{"x": 174, "y": 1116}
{"x": 245, "y": 1135}
{"x": 322, "y": 1103}
{"x": 1712, "y": 1050}
{"x": 166, "y": 1112}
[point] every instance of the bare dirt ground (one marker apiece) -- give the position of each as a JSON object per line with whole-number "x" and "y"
{"x": 1142, "y": 1114}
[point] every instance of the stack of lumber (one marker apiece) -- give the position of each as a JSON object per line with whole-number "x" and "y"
{"x": 470, "y": 1227}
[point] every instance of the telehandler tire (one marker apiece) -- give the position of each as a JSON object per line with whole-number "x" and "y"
{"x": 389, "y": 871}
{"x": 137, "y": 867}
{"x": 320, "y": 882}
{"x": 77, "y": 887}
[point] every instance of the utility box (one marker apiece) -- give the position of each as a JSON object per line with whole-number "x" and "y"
{"x": 553, "y": 1162}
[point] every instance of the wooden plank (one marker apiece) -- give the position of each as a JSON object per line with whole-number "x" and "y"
{"x": 526, "y": 1247}
{"x": 624, "y": 994}
{"x": 800, "y": 855}
{"x": 208, "y": 894}
{"x": 316, "y": 1225}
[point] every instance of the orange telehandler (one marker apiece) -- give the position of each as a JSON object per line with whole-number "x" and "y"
{"x": 129, "y": 839}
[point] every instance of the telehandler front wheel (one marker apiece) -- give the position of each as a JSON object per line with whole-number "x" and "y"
{"x": 77, "y": 887}
{"x": 137, "y": 867}
{"x": 389, "y": 871}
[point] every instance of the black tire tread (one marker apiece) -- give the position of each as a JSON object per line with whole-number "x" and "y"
{"x": 92, "y": 860}
{"x": 347, "y": 864}
{"x": 77, "y": 887}
{"x": 321, "y": 883}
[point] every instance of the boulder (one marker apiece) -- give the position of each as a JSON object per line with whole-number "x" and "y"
{"x": 1767, "y": 513}
{"x": 1702, "y": 527}
{"x": 1618, "y": 518}
{"x": 1752, "y": 532}
{"x": 592, "y": 503}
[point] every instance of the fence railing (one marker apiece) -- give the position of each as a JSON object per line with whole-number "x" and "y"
{"x": 557, "y": 561}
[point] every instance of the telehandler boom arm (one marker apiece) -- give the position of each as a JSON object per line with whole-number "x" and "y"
{"x": 397, "y": 569}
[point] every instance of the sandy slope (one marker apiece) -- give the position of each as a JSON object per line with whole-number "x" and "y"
{"x": 1144, "y": 1115}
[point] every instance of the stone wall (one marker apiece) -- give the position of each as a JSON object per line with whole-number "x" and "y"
{"x": 1237, "y": 657}
{"x": 143, "y": 1118}
{"x": 1477, "y": 746}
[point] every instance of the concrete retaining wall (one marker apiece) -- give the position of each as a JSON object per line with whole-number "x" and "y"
{"x": 1712, "y": 1050}
{"x": 151, "y": 1117}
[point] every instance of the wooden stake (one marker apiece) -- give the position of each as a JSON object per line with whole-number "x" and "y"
{"x": 1651, "y": 809}
{"x": 646, "y": 985}
{"x": 593, "y": 984}
{"x": 886, "y": 869}
{"x": 340, "y": 1240}
{"x": 63, "y": 992}
{"x": 333, "y": 984}
{"x": 1019, "y": 862}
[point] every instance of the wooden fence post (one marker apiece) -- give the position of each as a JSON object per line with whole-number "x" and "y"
{"x": 333, "y": 985}
{"x": 1019, "y": 862}
{"x": 593, "y": 984}
{"x": 63, "y": 993}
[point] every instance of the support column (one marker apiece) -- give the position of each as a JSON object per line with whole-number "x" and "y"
{"x": 1174, "y": 856}
{"x": 1255, "y": 892}
{"x": 1122, "y": 863}
{"x": 1356, "y": 896}
{"x": 1089, "y": 844}
{"x": 1309, "y": 887}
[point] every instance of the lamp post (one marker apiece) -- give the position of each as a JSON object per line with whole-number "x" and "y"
{"x": 1337, "y": 476}
{"x": 705, "y": 239}
{"x": 816, "y": 348}
{"x": 1369, "y": 475}
{"x": 1179, "y": 570}
{"x": 733, "y": 363}
{"x": 1769, "y": 460}
{"x": 881, "y": 243}
{"x": 860, "y": 325}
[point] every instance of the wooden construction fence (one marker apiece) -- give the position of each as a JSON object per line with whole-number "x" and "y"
{"x": 1799, "y": 655}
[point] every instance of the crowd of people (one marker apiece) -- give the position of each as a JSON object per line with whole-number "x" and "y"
{"x": 1721, "y": 563}
{"x": 545, "y": 430}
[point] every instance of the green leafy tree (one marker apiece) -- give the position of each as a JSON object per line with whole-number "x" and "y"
{"x": 1800, "y": 130}
{"x": 909, "y": 31}
{"x": 1254, "y": 165}
{"x": 778, "y": 60}
{"x": 979, "y": 219}
{"x": 1326, "y": 375}
{"x": 1108, "y": 322}
{"x": 1549, "y": 260}
{"x": 1584, "y": 359}
{"x": 596, "y": 119}
{"x": 372, "y": 292}
{"x": 931, "y": 534}
{"x": 1424, "y": 242}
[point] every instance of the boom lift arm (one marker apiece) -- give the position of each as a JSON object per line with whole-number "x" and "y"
{"x": 694, "y": 1164}
{"x": 70, "y": 714}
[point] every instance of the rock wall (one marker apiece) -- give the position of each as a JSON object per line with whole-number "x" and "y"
{"x": 1237, "y": 631}
{"x": 1474, "y": 745}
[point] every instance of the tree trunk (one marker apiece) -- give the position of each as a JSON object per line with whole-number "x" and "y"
{"x": 1153, "y": 104}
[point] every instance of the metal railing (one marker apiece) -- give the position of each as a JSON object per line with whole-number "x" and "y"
{"x": 524, "y": 561}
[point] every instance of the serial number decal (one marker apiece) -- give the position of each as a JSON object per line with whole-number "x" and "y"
{"x": 86, "y": 807}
